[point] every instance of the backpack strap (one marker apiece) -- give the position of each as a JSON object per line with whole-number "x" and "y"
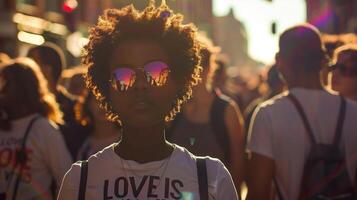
{"x": 202, "y": 178}
{"x": 21, "y": 156}
{"x": 340, "y": 121}
{"x": 217, "y": 121}
{"x": 299, "y": 108}
{"x": 278, "y": 191}
{"x": 83, "y": 180}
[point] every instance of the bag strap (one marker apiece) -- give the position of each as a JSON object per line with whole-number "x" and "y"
{"x": 340, "y": 122}
{"x": 202, "y": 178}
{"x": 21, "y": 156}
{"x": 300, "y": 110}
{"x": 83, "y": 180}
{"x": 278, "y": 191}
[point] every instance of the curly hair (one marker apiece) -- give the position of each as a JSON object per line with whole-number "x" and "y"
{"x": 156, "y": 23}
{"x": 31, "y": 85}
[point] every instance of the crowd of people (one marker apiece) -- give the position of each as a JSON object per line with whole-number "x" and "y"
{"x": 149, "y": 115}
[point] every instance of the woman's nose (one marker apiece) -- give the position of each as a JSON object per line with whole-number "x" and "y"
{"x": 140, "y": 83}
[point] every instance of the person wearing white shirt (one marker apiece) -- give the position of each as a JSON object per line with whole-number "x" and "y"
{"x": 278, "y": 142}
{"x": 143, "y": 66}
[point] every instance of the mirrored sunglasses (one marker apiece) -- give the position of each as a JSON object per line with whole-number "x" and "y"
{"x": 156, "y": 73}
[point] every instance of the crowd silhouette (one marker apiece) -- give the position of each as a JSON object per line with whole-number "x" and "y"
{"x": 152, "y": 112}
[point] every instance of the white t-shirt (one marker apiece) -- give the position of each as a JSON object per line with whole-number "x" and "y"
{"x": 277, "y": 132}
{"x": 48, "y": 159}
{"x": 111, "y": 177}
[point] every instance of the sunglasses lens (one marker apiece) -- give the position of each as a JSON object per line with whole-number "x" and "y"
{"x": 123, "y": 78}
{"x": 345, "y": 70}
{"x": 157, "y": 73}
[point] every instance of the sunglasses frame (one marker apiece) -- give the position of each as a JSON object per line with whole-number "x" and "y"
{"x": 343, "y": 69}
{"x": 147, "y": 75}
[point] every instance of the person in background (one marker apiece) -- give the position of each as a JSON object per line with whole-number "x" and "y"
{"x": 275, "y": 86}
{"x": 343, "y": 76}
{"x": 219, "y": 74}
{"x": 332, "y": 42}
{"x": 101, "y": 132}
{"x": 143, "y": 66}
{"x": 73, "y": 80}
{"x": 211, "y": 123}
{"x": 33, "y": 152}
{"x": 51, "y": 60}
{"x": 286, "y": 129}
{"x": 4, "y": 58}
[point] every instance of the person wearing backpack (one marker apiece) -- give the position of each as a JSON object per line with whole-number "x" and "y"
{"x": 303, "y": 141}
{"x": 142, "y": 66}
{"x": 210, "y": 123}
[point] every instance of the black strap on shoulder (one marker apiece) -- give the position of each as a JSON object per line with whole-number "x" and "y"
{"x": 217, "y": 121}
{"x": 202, "y": 178}
{"x": 278, "y": 191}
{"x": 303, "y": 117}
{"x": 21, "y": 156}
{"x": 340, "y": 122}
{"x": 83, "y": 180}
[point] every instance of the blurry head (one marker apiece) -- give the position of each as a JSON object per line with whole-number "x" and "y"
{"x": 130, "y": 53}
{"x": 301, "y": 53}
{"x": 87, "y": 111}
{"x": 273, "y": 79}
{"x": 219, "y": 75}
{"x": 4, "y": 58}
{"x": 75, "y": 82}
{"x": 51, "y": 60}
{"x": 344, "y": 70}
{"x": 23, "y": 85}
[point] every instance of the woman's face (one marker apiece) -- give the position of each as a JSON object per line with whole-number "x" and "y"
{"x": 142, "y": 104}
{"x": 343, "y": 83}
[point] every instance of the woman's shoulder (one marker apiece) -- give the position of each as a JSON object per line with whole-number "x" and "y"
{"x": 213, "y": 165}
{"x": 218, "y": 176}
{"x": 44, "y": 126}
{"x": 96, "y": 162}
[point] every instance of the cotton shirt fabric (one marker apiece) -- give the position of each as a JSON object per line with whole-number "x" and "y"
{"x": 48, "y": 158}
{"x": 277, "y": 132}
{"x": 111, "y": 177}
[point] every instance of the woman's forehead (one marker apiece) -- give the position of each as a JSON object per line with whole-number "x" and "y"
{"x": 138, "y": 52}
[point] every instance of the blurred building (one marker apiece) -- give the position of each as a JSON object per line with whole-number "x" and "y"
{"x": 197, "y": 11}
{"x": 31, "y": 22}
{"x": 230, "y": 35}
{"x": 333, "y": 16}
{"x": 7, "y": 28}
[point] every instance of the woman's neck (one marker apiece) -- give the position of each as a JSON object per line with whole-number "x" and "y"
{"x": 144, "y": 144}
{"x": 105, "y": 130}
